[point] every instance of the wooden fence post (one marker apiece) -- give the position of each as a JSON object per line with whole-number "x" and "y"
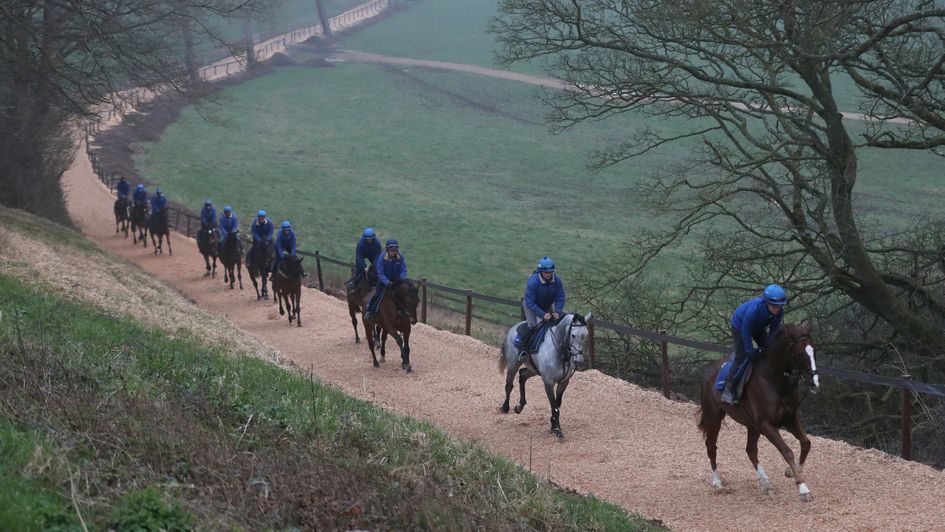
{"x": 423, "y": 300}
{"x": 188, "y": 225}
{"x": 905, "y": 450}
{"x": 177, "y": 218}
{"x": 664, "y": 348}
{"x": 469, "y": 310}
{"x": 591, "y": 348}
{"x": 318, "y": 269}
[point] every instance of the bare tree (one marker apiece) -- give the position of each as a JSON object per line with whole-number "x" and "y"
{"x": 771, "y": 182}
{"x": 60, "y": 59}
{"x": 323, "y": 18}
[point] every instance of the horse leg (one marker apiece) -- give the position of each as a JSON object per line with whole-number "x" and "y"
{"x": 406, "y": 349}
{"x": 252, "y": 277}
{"x": 797, "y": 429}
{"x": 559, "y": 395}
{"x": 555, "y": 410}
{"x": 239, "y": 275}
{"x": 510, "y": 372}
{"x": 263, "y": 277}
{"x": 774, "y": 436}
{"x": 710, "y": 423}
{"x": 370, "y": 340}
{"x": 403, "y": 359}
{"x": 213, "y": 270}
{"x": 206, "y": 260}
{"x": 277, "y": 295}
{"x": 380, "y": 335}
{"x": 170, "y": 251}
{"x": 354, "y": 322}
{"x": 523, "y": 375}
{"x": 751, "y": 448}
{"x": 297, "y": 295}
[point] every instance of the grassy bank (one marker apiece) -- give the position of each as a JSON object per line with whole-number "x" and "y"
{"x": 119, "y": 425}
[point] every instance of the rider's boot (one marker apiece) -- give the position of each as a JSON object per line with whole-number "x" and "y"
{"x": 728, "y": 394}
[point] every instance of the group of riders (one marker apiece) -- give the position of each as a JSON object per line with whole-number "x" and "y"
{"x": 139, "y": 199}
{"x": 753, "y": 323}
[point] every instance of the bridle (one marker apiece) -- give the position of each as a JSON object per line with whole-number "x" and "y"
{"x": 565, "y": 349}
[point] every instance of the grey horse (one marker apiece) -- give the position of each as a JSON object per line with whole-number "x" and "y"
{"x": 559, "y": 353}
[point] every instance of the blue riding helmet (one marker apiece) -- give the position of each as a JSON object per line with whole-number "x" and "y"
{"x": 227, "y": 208}
{"x": 139, "y": 187}
{"x": 207, "y": 202}
{"x": 261, "y": 214}
{"x": 158, "y": 192}
{"x": 286, "y": 225}
{"x": 369, "y": 232}
{"x": 775, "y": 295}
{"x": 546, "y": 265}
{"x": 392, "y": 244}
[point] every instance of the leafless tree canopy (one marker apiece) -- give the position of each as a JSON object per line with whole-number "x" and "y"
{"x": 758, "y": 84}
{"x": 61, "y": 58}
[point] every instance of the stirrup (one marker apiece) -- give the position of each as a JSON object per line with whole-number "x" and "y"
{"x": 728, "y": 397}
{"x": 522, "y": 356}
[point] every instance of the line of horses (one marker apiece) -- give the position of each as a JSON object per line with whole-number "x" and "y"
{"x": 770, "y": 401}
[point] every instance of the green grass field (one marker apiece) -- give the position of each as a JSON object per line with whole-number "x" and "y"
{"x": 461, "y": 169}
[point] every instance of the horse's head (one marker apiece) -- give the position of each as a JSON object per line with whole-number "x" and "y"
{"x": 292, "y": 266}
{"x": 214, "y": 235}
{"x": 577, "y": 336}
{"x": 409, "y": 296}
{"x": 802, "y": 353}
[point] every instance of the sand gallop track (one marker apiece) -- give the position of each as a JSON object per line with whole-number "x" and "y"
{"x": 630, "y": 446}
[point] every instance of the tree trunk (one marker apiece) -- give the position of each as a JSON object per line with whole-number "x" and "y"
{"x": 190, "y": 60}
{"x": 323, "y": 19}
{"x": 248, "y": 43}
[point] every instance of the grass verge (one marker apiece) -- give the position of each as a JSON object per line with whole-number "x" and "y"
{"x": 124, "y": 426}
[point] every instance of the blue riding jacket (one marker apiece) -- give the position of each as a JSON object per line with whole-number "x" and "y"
{"x": 228, "y": 224}
{"x": 158, "y": 203}
{"x": 751, "y": 318}
{"x": 123, "y": 188}
{"x": 542, "y": 296}
{"x": 390, "y": 270}
{"x": 208, "y": 215}
{"x": 262, "y": 232}
{"x": 140, "y": 196}
{"x": 366, "y": 250}
{"x": 285, "y": 245}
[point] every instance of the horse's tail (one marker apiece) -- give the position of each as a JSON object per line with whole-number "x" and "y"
{"x": 503, "y": 363}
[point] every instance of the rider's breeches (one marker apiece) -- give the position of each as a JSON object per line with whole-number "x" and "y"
{"x": 531, "y": 317}
{"x": 376, "y": 299}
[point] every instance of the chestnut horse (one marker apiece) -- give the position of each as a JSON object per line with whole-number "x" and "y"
{"x": 355, "y": 295}
{"x": 231, "y": 256}
{"x": 770, "y": 401}
{"x": 395, "y": 314}
{"x": 122, "y": 215}
{"x": 287, "y": 286}
{"x": 259, "y": 265}
{"x": 208, "y": 242}
{"x": 160, "y": 229}
{"x": 139, "y": 223}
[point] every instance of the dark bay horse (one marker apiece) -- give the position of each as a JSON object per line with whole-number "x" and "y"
{"x": 287, "y": 286}
{"x": 208, "y": 242}
{"x": 122, "y": 215}
{"x": 259, "y": 265}
{"x": 770, "y": 401}
{"x": 160, "y": 228}
{"x": 395, "y": 315}
{"x": 557, "y": 357}
{"x": 139, "y": 223}
{"x": 231, "y": 256}
{"x": 355, "y": 295}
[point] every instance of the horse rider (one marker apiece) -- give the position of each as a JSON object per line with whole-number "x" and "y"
{"x": 756, "y": 319}
{"x": 368, "y": 249}
{"x": 262, "y": 232}
{"x": 158, "y": 203}
{"x": 208, "y": 216}
{"x": 123, "y": 188}
{"x": 544, "y": 299}
{"x": 391, "y": 268}
{"x": 140, "y": 196}
{"x": 228, "y": 224}
{"x": 285, "y": 245}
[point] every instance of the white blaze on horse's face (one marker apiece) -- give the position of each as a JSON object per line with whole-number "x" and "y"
{"x": 815, "y": 382}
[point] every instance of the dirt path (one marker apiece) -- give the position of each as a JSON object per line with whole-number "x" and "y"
{"x": 629, "y": 446}
{"x": 365, "y": 57}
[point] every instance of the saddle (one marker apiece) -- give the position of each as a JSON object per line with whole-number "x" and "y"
{"x": 529, "y": 339}
{"x": 738, "y": 386}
